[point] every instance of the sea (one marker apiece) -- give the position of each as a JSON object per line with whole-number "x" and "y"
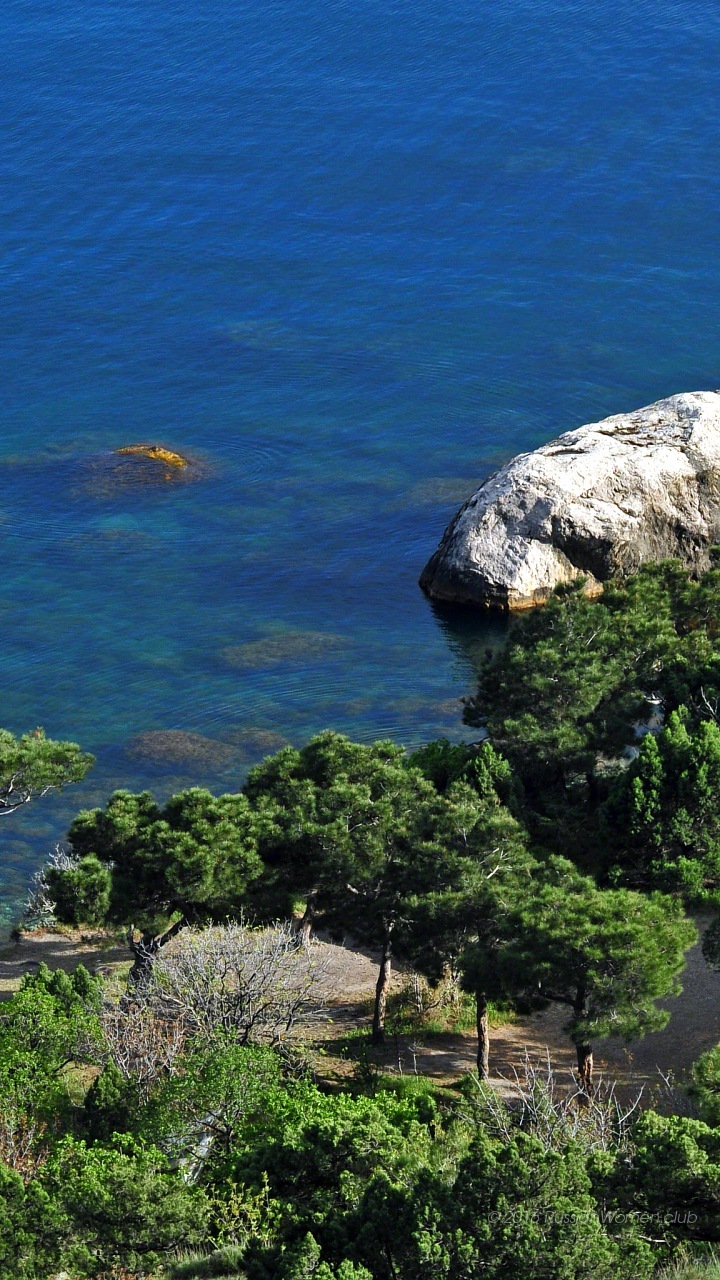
{"x": 346, "y": 259}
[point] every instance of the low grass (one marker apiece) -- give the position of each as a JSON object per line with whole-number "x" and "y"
{"x": 207, "y": 1266}
{"x": 419, "y": 1009}
{"x": 685, "y": 1267}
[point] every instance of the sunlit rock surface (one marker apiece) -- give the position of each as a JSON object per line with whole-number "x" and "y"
{"x": 156, "y": 453}
{"x": 595, "y": 502}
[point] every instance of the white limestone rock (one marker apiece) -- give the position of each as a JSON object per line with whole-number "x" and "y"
{"x": 594, "y": 503}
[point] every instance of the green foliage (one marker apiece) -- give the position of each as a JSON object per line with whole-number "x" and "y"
{"x": 373, "y": 844}
{"x": 81, "y": 893}
{"x": 307, "y": 1137}
{"x": 492, "y": 869}
{"x": 664, "y": 815}
{"x": 576, "y": 676}
{"x": 424, "y": 854}
{"x": 123, "y": 1205}
{"x": 607, "y": 955}
{"x": 110, "y": 1105}
{"x": 417, "y": 1009}
{"x": 705, "y": 1087}
{"x": 673, "y": 1174}
{"x": 517, "y": 1209}
{"x": 224, "y": 1090}
{"x": 32, "y": 765}
{"x": 419, "y": 1091}
{"x": 342, "y": 813}
{"x": 304, "y": 1262}
{"x": 363, "y": 1184}
{"x": 32, "y": 1228}
{"x": 319, "y": 1154}
{"x": 195, "y": 856}
{"x": 444, "y": 763}
{"x": 564, "y": 687}
{"x": 207, "y": 1266}
{"x": 92, "y": 1209}
{"x": 49, "y": 1023}
{"x": 340, "y": 1187}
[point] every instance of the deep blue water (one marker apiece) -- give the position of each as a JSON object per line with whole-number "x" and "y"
{"x": 350, "y": 257}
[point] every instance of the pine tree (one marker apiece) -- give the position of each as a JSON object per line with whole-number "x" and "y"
{"x": 608, "y": 955}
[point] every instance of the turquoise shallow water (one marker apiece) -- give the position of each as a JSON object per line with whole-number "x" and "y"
{"x": 350, "y": 258}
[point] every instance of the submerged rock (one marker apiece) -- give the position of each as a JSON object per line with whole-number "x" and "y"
{"x": 434, "y": 491}
{"x": 276, "y": 650}
{"x": 595, "y": 503}
{"x": 171, "y": 747}
{"x": 137, "y": 467}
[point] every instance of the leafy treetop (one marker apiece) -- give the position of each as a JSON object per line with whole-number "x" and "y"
{"x": 662, "y": 818}
{"x": 33, "y": 765}
{"x": 606, "y": 954}
{"x": 575, "y": 676}
{"x": 195, "y": 856}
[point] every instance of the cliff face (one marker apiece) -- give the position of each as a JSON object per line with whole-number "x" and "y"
{"x": 595, "y": 502}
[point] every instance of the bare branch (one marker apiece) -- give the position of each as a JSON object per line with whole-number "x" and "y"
{"x": 143, "y": 1045}
{"x": 252, "y": 983}
{"x": 711, "y": 707}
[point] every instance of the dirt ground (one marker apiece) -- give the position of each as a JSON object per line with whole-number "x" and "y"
{"x": 665, "y": 1055}
{"x": 62, "y": 950}
{"x": 348, "y": 982}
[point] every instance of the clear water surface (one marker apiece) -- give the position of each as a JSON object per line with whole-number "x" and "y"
{"x": 350, "y": 257}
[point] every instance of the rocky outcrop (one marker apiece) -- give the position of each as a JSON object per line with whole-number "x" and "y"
{"x": 156, "y": 453}
{"x": 138, "y": 467}
{"x": 594, "y": 503}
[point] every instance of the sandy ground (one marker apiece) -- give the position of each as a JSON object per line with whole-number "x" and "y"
{"x": 693, "y": 1028}
{"x": 349, "y": 984}
{"x": 64, "y": 950}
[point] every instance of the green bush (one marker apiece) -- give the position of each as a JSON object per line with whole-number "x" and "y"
{"x": 81, "y": 893}
{"x": 123, "y": 1205}
{"x": 110, "y": 1105}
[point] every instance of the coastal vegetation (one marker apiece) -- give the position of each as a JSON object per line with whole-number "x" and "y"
{"x": 179, "y": 1119}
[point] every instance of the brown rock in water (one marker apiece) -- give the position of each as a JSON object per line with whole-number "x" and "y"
{"x": 156, "y": 453}
{"x": 275, "y": 650}
{"x": 137, "y": 467}
{"x": 595, "y": 503}
{"x": 177, "y": 747}
{"x": 448, "y": 709}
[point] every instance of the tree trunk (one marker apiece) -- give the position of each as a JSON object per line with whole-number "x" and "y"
{"x": 584, "y": 1051}
{"x": 305, "y": 926}
{"x": 585, "y": 1068}
{"x": 145, "y": 949}
{"x": 483, "y": 1036}
{"x": 452, "y": 986}
{"x": 381, "y": 991}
